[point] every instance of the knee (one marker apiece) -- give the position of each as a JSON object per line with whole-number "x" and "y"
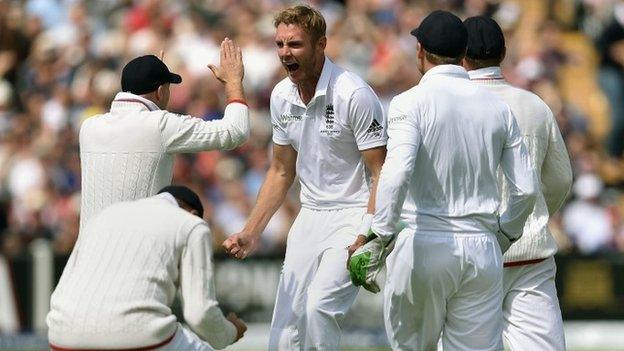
{"x": 319, "y": 306}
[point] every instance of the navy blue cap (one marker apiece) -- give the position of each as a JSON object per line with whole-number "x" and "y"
{"x": 442, "y": 33}
{"x": 185, "y": 195}
{"x": 145, "y": 74}
{"x": 485, "y": 38}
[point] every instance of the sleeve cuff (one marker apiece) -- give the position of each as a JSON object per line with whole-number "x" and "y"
{"x": 280, "y": 141}
{"x": 372, "y": 144}
{"x": 230, "y": 329}
{"x": 240, "y": 101}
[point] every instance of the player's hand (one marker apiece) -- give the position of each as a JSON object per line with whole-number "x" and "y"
{"x": 367, "y": 261}
{"x": 359, "y": 241}
{"x": 231, "y": 68}
{"x": 240, "y": 245}
{"x": 240, "y": 325}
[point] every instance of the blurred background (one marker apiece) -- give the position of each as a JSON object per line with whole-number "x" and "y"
{"x": 60, "y": 63}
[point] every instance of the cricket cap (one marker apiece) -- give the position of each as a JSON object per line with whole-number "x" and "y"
{"x": 442, "y": 33}
{"x": 185, "y": 195}
{"x": 145, "y": 74}
{"x": 485, "y": 38}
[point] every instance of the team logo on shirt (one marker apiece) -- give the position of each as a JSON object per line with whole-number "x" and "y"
{"x": 375, "y": 128}
{"x": 329, "y": 122}
{"x": 329, "y": 116}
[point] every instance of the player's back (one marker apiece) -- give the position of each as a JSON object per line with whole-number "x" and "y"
{"x": 120, "y": 280}
{"x": 546, "y": 150}
{"x": 122, "y": 157}
{"x": 464, "y": 129}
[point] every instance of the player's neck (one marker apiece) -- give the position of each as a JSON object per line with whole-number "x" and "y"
{"x": 307, "y": 88}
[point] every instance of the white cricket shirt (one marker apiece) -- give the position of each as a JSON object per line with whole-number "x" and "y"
{"x": 118, "y": 286}
{"x": 343, "y": 118}
{"x": 447, "y": 137}
{"x": 128, "y": 153}
{"x": 549, "y": 158}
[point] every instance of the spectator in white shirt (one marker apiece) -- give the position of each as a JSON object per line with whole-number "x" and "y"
{"x": 585, "y": 220}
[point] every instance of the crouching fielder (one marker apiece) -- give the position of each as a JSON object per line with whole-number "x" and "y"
{"x": 447, "y": 137}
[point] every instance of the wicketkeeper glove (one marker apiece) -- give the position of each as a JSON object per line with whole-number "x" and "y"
{"x": 368, "y": 260}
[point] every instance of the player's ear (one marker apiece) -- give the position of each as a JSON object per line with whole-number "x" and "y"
{"x": 322, "y": 42}
{"x": 420, "y": 51}
{"x": 159, "y": 93}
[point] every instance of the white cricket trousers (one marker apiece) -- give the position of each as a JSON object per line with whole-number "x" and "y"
{"x": 315, "y": 290}
{"x": 444, "y": 282}
{"x": 532, "y": 317}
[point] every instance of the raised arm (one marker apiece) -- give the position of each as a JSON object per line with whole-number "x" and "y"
{"x": 279, "y": 178}
{"x": 188, "y": 134}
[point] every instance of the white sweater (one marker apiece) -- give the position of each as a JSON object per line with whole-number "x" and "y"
{"x": 128, "y": 153}
{"x": 549, "y": 158}
{"x": 121, "y": 279}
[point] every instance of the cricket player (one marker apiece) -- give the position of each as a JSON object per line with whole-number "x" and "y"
{"x": 329, "y": 128}
{"x": 128, "y": 153}
{"x": 447, "y": 137}
{"x": 532, "y": 318}
{"x": 120, "y": 281}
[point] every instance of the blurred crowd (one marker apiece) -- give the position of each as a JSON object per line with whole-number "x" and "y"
{"x": 60, "y": 62}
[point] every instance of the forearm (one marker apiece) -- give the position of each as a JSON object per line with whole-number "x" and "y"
{"x": 556, "y": 177}
{"x": 270, "y": 198}
{"x": 234, "y": 91}
{"x": 373, "y": 194}
{"x": 522, "y": 182}
{"x": 236, "y": 117}
{"x": 392, "y": 188}
{"x": 200, "y": 307}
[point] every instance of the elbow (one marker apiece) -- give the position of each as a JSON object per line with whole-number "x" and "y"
{"x": 241, "y": 136}
{"x": 531, "y": 195}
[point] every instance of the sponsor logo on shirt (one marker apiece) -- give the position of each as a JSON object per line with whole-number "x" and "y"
{"x": 397, "y": 119}
{"x": 288, "y": 118}
{"x": 375, "y": 128}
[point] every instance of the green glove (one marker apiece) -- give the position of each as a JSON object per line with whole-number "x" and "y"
{"x": 368, "y": 260}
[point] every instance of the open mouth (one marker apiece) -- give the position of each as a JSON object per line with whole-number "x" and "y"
{"x": 291, "y": 67}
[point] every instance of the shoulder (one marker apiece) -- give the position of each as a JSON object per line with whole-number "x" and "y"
{"x": 409, "y": 98}
{"x": 346, "y": 83}
{"x": 528, "y": 107}
{"x": 528, "y": 98}
{"x": 283, "y": 87}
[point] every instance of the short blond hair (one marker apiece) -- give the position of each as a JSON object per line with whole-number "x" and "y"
{"x": 309, "y": 19}
{"x": 443, "y": 60}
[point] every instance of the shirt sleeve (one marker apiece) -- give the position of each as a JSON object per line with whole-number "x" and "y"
{"x": 521, "y": 179}
{"x": 367, "y": 119}
{"x": 556, "y": 170}
{"x": 189, "y": 134}
{"x": 200, "y": 307}
{"x": 404, "y": 139}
